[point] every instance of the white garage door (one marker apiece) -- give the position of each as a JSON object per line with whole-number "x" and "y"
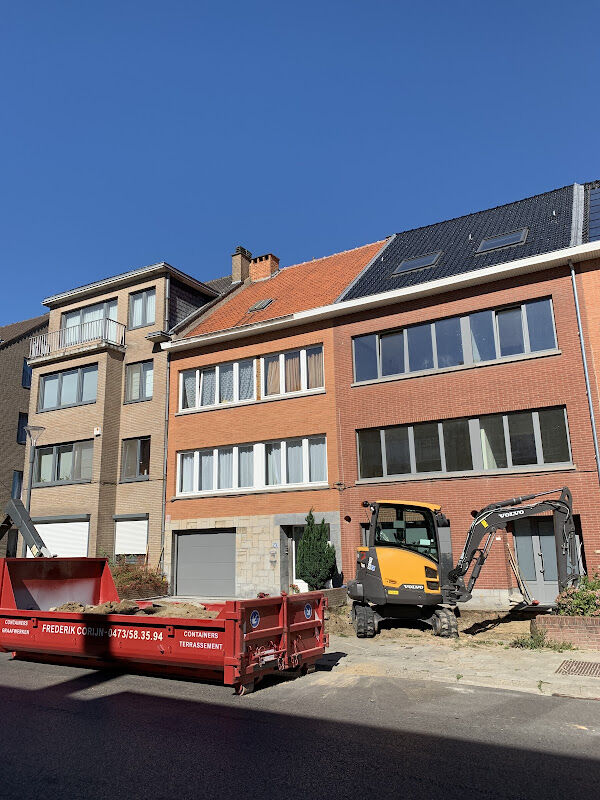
{"x": 206, "y": 563}
{"x": 131, "y": 537}
{"x": 66, "y": 539}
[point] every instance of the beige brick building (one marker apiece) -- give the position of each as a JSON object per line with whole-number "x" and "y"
{"x": 98, "y": 390}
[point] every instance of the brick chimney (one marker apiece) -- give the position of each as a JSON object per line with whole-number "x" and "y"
{"x": 240, "y": 264}
{"x": 263, "y": 267}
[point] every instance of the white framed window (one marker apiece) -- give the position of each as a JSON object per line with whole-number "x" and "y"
{"x": 262, "y": 466}
{"x": 223, "y": 384}
{"x": 507, "y": 441}
{"x": 293, "y": 372}
{"x": 477, "y": 338}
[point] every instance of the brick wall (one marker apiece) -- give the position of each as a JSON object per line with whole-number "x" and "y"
{"x": 582, "y": 632}
{"x": 532, "y": 383}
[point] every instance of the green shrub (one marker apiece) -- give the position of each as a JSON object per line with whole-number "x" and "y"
{"x": 538, "y": 641}
{"x": 583, "y": 601}
{"x": 316, "y": 557}
{"x": 132, "y": 580}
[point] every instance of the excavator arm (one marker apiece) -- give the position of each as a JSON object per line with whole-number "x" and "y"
{"x": 18, "y": 517}
{"x": 487, "y": 521}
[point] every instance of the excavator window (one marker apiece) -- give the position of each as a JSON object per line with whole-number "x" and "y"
{"x": 411, "y": 529}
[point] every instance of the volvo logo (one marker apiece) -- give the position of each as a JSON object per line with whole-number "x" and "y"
{"x": 511, "y": 514}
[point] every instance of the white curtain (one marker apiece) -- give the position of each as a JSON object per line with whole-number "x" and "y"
{"x": 133, "y": 382}
{"x": 294, "y": 460}
{"x": 226, "y": 383}
{"x": 314, "y": 361}
{"x": 187, "y": 473}
{"x": 208, "y": 387}
{"x": 246, "y": 380}
{"x": 317, "y": 457}
{"x": 188, "y": 399}
{"x": 150, "y": 306}
{"x": 50, "y": 391}
{"x": 83, "y": 457}
{"x": 226, "y": 468}
{"x": 89, "y": 384}
{"x": 246, "y": 466}
{"x": 148, "y": 380}
{"x": 137, "y": 310}
{"x": 206, "y": 470}
{"x": 273, "y": 453}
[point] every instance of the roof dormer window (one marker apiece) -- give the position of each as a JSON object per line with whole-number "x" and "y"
{"x": 427, "y": 260}
{"x": 504, "y": 240}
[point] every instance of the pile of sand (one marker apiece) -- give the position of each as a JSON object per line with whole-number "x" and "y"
{"x": 130, "y": 607}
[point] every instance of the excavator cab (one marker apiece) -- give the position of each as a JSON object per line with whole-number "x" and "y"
{"x": 400, "y": 567}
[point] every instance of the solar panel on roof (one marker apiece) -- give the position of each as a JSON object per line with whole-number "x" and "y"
{"x": 428, "y": 260}
{"x": 504, "y": 240}
{"x": 261, "y": 304}
{"x": 594, "y": 222}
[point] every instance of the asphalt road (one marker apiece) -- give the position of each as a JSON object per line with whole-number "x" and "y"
{"x": 74, "y": 733}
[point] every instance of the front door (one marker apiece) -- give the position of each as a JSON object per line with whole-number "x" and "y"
{"x": 536, "y": 556}
{"x": 296, "y": 531}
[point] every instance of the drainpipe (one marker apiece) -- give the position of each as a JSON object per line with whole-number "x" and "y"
{"x": 166, "y": 428}
{"x": 585, "y": 369}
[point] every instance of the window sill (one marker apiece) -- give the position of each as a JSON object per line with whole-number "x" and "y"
{"x": 490, "y": 473}
{"x": 297, "y": 487}
{"x": 139, "y": 327}
{"x": 63, "y": 408}
{"x": 141, "y": 400}
{"x": 59, "y": 483}
{"x": 459, "y": 368}
{"x": 135, "y": 480}
{"x": 270, "y": 399}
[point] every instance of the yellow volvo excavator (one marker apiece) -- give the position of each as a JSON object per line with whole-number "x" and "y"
{"x": 405, "y": 570}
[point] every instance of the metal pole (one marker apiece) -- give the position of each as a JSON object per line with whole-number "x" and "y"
{"x": 30, "y": 481}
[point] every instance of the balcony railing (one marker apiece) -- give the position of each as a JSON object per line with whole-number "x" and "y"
{"x": 98, "y": 330}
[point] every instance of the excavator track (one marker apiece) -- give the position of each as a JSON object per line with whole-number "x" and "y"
{"x": 363, "y": 620}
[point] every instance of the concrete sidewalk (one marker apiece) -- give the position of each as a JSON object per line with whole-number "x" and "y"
{"x": 492, "y": 665}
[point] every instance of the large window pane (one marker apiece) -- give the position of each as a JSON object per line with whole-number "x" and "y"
{"x": 208, "y": 387}
{"x": 68, "y": 391}
{"x": 314, "y": 365}
{"x": 186, "y": 477}
{"x": 150, "y": 306}
{"x": 510, "y": 331}
{"x": 539, "y": 323}
{"x": 493, "y": 444}
{"x": 205, "y": 480}
{"x": 225, "y": 468}
{"x": 44, "y": 459}
{"x": 555, "y": 445}
{"x": 482, "y": 336}
{"x": 89, "y": 384}
{"x": 130, "y": 458}
{"x": 369, "y": 454}
{"x": 392, "y": 353}
{"x": 246, "y": 466}
{"x": 188, "y": 389}
{"x": 226, "y": 383}
{"x": 273, "y": 456}
{"x": 246, "y": 380}
{"x": 427, "y": 447}
{"x": 397, "y": 453}
{"x": 271, "y": 377}
{"x": 83, "y": 457}
{"x": 144, "y": 460}
{"x": 64, "y": 463}
{"x": 522, "y": 439}
{"x": 420, "y": 348}
{"x": 133, "y": 382}
{"x": 49, "y": 391}
{"x": 136, "y": 310}
{"x": 148, "y": 380}
{"x": 292, "y": 372}
{"x": 365, "y": 357}
{"x": 317, "y": 459}
{"x": 449, "y": 342}
{"x": 457, "y": 445}
{"x": 294, "y": 460}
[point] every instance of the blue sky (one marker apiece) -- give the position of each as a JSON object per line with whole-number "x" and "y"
{"x": 134, "y": 132}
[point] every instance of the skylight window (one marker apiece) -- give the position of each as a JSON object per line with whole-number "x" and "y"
{"x": 261, "y": 304}
{"x": 504, "y": 240}
{"x": 428, "y": 260}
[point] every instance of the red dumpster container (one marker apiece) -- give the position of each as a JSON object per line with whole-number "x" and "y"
{"x": 247, "y": 639}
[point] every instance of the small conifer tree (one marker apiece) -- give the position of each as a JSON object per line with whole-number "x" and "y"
{"x": 316, "y": 557}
